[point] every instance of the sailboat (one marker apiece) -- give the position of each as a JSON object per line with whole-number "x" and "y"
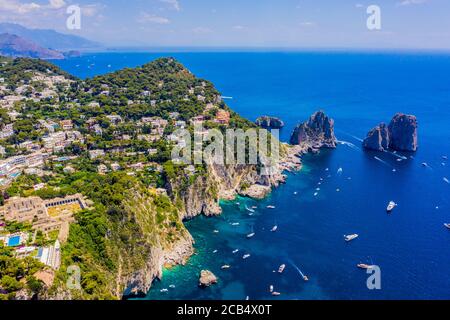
{"x": 274, "y": 229}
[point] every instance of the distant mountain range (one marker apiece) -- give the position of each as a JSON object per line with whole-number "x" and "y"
{"x": 12, "y": 45}
{"x": 18, "y": 41}
{"x": 50, "y": 39}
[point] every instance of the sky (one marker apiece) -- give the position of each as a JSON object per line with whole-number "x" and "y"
{"x": 405, "y": 24}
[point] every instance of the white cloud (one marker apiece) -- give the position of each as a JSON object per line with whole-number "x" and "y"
{"x": 173, "y": 3}
{"x": 17, "y": 7}
{"x": 238, "y": 27}
{"x": 411, "y": 2}
{"x": 91, "y": 10}
{"x": 56, "y": 4}
{"x": 151, "y": 18}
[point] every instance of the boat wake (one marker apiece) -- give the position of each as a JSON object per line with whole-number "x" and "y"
{"x": 396, "y": 155}
{"x": 297, "y": 268}
{"x": 349, "y": 144}
{"x": 350, "y": 135}
{"x": 382, "y": 161}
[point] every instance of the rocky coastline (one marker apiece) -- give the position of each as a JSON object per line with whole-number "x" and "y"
{"x": 316, "y": 133}
{"x": 268, "y": 122}
{"x": 224, "y": 182}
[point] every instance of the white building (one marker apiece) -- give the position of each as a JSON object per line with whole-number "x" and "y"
{"x": 94, "y": 154}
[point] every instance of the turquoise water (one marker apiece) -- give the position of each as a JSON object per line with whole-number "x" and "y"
{"x": 358, "y": 90}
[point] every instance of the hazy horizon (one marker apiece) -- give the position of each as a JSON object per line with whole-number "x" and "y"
{"x": 298, "y": 24}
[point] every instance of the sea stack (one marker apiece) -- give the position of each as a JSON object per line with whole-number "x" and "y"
{"x": 317, "y": 132}
{"x": 207, "y": 278}
{"x": 400, "y": 135}
{"x": 378, "y": 138}
{"x": 267, "y": 122}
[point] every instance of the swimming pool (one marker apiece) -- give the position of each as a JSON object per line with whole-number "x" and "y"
{"x": 14, "y": 241}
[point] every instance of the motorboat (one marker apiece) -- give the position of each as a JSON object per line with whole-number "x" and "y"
{"x": 351, "y": 237}
{"x": 281, "y": 268}
{"x": 391, "y": 206}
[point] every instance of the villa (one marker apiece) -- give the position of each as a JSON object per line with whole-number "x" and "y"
{"x": 223, "y": 117}
{"x": 66, "y": 125}
{"x": 44, "y": 215}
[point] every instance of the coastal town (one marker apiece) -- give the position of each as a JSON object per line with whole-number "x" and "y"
{"x": 55, "y": 129}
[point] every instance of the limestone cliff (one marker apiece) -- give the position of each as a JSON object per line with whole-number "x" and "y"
{"x": 400, "y": 135}
{"x": 268, "y": 122}
{"x": 403, "y": 133}
{"x": 378, "y": 138}
{"x": 316, "y": 133}
{"x": 162, "y": 240}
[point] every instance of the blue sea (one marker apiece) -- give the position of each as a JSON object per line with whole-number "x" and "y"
{"x": 359, "y": 90}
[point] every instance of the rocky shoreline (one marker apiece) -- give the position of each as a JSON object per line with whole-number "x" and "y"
{"x": 229, "y": 180}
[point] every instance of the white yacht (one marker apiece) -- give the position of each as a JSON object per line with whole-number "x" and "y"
{"x": 351, "y": 237}
{"x": 391, "y": 206}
